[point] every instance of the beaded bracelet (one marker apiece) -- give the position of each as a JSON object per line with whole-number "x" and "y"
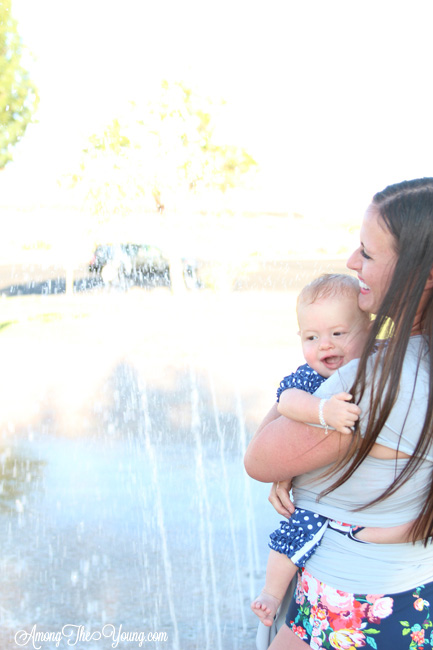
{"x": 321, "y": 418}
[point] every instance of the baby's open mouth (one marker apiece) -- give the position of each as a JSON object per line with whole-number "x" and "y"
{"x": 333, "y": 362}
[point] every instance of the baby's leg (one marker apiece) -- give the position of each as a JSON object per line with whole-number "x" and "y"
{"x": 279, "y": 572}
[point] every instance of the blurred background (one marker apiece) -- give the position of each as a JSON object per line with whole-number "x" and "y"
{"x": 171, "y": 174}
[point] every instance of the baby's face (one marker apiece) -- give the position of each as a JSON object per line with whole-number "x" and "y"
{"x": 333, "y": 331}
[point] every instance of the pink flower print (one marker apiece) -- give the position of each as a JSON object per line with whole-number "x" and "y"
{"x": 300, "y": 594}
{"x": 299, "y": 631}
{"x": 383, "y": 607}
{"x": 316, "y": 643}
{"x": 370, "y": 615}
{"x": 347, "y": 639}
{"x": 336, "y": 600}
{"x": 350, "y": 619}
{"x": 420, "y": 603}
{"x": 319, "y": 617}
{"x": 418, "y": 637}
{"x": 316, "y": 631}
{"x": 371, "y": 598}
{"x": 311, "y": 587}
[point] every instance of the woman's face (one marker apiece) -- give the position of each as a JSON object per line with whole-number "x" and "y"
{"x": 374, "y": 261}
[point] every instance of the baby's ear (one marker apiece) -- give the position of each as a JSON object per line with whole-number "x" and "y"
{"x": 299, "y": 333}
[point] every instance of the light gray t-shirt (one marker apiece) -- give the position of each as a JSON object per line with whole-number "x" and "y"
{"x": 375, "y": 568}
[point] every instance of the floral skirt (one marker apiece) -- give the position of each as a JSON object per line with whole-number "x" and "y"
{"x": 325, "y": 617}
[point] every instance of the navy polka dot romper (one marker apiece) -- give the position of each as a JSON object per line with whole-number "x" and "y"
{"x": 299, "y": 537}
{"x": 305, "y": 378}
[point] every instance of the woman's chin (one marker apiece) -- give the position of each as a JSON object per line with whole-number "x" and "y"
{"x": 365, "y": 302}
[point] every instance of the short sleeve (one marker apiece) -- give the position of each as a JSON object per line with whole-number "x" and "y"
{"x": 341, "y": 381}
{"x": 305, "y": 378}
{"x": 404, "y": 423}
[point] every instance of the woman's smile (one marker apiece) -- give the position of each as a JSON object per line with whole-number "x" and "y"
{"x": 364, "y": 289}
{"x": 374, "y": 261}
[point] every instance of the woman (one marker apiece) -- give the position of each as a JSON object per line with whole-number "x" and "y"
{"x": 373, "y": 586}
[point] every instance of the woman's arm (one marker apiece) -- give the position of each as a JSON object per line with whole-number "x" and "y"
{"x": 282, "y": 448}
{"x": 394, "y": 535}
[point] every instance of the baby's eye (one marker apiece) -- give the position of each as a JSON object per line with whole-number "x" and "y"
{"x": 338, "y": 333}
{"x": 311, "y": 338}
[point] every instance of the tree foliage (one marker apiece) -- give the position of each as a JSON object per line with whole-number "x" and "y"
{"x": 18, "y": 95}
{"x": 107, "y": 178}
{"x": 167, "y": 147}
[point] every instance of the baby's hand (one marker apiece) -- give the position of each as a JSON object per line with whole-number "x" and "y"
{"x": 340, "y": 414}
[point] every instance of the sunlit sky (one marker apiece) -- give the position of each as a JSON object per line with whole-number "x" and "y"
{"x": 333, "y": 99}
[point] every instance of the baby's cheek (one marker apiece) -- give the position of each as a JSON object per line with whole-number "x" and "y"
{"x": 310, "y": 354}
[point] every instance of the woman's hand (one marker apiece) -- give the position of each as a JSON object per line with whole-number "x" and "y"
{"x": 280, "y": 498}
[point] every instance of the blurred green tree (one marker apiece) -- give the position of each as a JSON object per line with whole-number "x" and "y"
{"x": 18, "y": 95}
{"x": 166, "y": 148}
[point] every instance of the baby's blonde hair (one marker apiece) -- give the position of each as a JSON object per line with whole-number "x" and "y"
{"x": 330, "y": 285}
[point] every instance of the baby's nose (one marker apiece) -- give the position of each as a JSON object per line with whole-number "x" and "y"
{"x": 326, "y": 343}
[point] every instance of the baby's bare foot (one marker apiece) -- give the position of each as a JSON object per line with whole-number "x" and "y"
{"x": 265, "y": 607}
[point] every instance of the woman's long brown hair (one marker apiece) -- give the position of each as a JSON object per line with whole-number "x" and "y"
{"x": 407, "y": 212}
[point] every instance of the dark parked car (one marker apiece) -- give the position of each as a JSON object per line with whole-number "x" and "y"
{"x": 141, "y": 264}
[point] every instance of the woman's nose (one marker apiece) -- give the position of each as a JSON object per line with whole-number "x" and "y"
{"x": 353, "y": 261}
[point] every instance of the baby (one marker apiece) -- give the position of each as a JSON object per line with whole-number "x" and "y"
{"x": 333, "y": 331}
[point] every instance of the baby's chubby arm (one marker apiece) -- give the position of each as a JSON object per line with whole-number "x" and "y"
{"x": 338, "y": 412}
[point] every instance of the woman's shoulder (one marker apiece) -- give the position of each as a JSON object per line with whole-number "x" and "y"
{"x": 405, "y": 421}
{"x": 341, "y": 381}
{"x": 416, "y": 361}
{"x": 414, "y": 380}
{"x": 414, "y": 377}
